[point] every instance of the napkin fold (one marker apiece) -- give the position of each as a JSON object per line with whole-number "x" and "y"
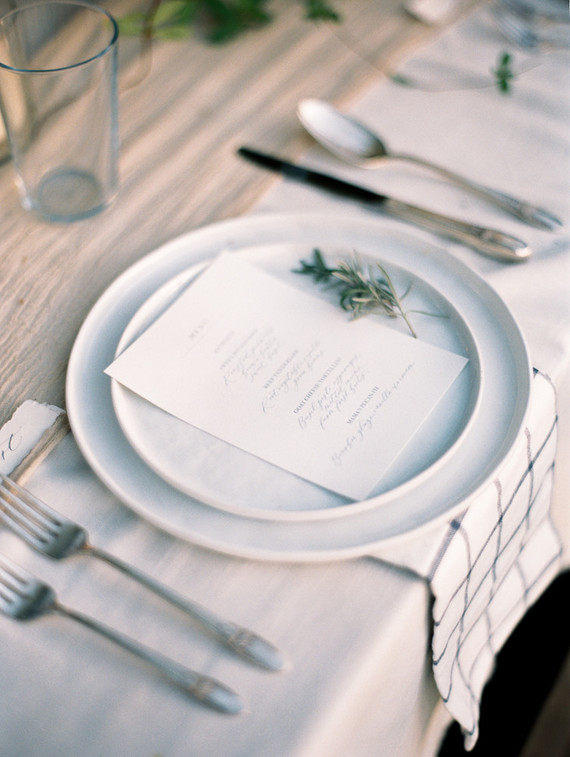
{"x": 489, "y": 563}
{"x": 494, "y": 561}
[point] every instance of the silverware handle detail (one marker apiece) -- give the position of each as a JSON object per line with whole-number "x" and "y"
{"x": 495, "y": 244}
{"x": 244, "y": 642}
{"x": 203, "y": 688}
{"x": 525, "y": 211}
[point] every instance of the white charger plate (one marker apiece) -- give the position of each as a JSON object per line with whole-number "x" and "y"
{"x": 229, "y": 478}
{"x": 497, "y": 423}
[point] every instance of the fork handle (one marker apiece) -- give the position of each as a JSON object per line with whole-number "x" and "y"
{"x": 203, "y": 688}
{"x": 241, "y": 640}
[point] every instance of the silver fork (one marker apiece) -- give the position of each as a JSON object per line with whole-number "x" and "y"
{"x": 24, "y": 597}
{"x": 58, "y": 537}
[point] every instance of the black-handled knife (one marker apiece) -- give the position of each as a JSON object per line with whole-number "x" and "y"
{"x": 495, "y": 244}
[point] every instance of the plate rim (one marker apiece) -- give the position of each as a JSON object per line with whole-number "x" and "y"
{"x": 265, "y": 223}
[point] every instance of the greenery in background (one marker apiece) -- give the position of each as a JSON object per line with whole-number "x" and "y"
{"x": 504, "y": 73}
{"x": 222, "y": 20}
{"x": 219, "y": 20}
{"x": 360, "y": 291}
{"x": 502, "y": 77}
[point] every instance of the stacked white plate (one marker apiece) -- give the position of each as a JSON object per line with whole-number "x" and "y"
{"x": 210, "y": 493}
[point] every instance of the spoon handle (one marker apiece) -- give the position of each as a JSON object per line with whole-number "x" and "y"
{"x": 525, "y": 211}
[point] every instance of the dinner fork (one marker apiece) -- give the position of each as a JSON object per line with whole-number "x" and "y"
{"x": 57, "y": 537}
{"x": 24, "y": 597}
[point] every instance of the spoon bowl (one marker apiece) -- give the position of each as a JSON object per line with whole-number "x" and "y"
{"x": 342, "y": 135}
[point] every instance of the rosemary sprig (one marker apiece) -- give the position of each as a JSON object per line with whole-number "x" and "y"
{"x": 360, "y": 291}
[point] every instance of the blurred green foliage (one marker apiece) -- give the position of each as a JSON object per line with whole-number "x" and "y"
{"x": 218, "y": 20}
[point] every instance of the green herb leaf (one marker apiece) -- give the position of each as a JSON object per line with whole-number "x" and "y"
{"x": 400, "y": 79}
{"x": 503, "y": 73}
{"x": 131, "y": 25}
{"x": 168, "y": 12}
{"x": 360, "y": 291}
{"x": 320, "y": 10}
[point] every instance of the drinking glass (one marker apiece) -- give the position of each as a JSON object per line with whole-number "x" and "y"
{"x": 59, "y": 102}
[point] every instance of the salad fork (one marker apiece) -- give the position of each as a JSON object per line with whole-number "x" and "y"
{"x": 24, "y": 597}
{"x": 58, "y": 537}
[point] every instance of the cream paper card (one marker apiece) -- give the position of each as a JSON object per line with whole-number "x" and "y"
{"x": 287, "y": 376}
{"x": 23, "y": 431}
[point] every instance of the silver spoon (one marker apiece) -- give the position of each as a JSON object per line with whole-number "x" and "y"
{"x": 356, "y": 144}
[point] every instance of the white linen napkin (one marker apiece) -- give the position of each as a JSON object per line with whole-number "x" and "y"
{"x": 494, "y": 561}
{"x": 488, "y": 565}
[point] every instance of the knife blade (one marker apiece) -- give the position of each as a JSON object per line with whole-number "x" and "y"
{"x": 490, "y": 242}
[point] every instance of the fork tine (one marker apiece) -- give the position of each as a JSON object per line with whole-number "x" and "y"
{"x": 12, "y": 579}
{"x": 21, "y": 525}
{"x": 27, "y": 500}
{"x": 6, "y": 591}
{"x": 24, "y": 512}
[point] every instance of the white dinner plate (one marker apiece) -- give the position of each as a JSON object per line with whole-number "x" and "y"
{"x": 496, "y": 422}
{"x": 224, "y": 476}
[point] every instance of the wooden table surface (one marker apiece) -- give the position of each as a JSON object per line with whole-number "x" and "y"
{"x": 180, "y": 124}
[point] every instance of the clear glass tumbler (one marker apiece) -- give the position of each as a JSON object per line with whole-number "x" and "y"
{"x": 59, "y": 101}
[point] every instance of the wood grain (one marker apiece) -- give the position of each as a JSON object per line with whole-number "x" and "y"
{"x": 180, "y": 125}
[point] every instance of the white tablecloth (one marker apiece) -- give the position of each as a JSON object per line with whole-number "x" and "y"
{"x": 452, "y": 113}
{"x": 357, "y": 633}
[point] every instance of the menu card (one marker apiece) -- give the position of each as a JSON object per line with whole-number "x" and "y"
{"x": 287, "y": 376}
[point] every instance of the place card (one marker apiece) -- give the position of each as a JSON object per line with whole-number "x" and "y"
{"x": 24, "y": 431}
{"x": 288, "y": 376}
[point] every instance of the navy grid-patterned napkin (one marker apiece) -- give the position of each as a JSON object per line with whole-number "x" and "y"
{"x": 496, "y": 559}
